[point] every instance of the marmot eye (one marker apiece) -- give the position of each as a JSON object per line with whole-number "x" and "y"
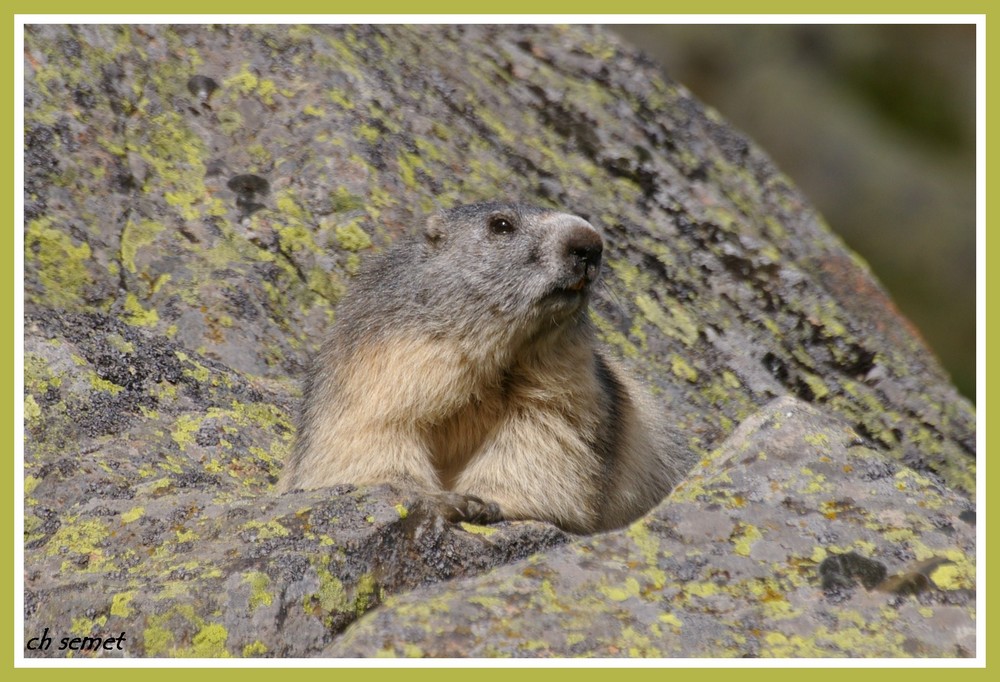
{"x": 500, "y": 225}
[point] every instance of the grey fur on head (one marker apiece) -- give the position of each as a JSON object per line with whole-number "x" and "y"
{"x": 508, "y": 280}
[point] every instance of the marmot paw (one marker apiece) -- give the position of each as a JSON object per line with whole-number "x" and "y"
{"x": 457, "y": 507}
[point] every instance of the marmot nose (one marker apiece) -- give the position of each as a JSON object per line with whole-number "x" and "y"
{"x": 583, "y": 247}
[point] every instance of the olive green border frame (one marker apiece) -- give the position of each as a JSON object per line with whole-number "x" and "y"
{"x": 760, "y": 9}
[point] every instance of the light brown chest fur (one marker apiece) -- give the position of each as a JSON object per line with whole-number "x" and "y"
{"x": 454, "y": 441}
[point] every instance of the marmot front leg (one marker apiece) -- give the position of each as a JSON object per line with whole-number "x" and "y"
{"x": 381, "y": 454}
{"x": 537, "y": 467}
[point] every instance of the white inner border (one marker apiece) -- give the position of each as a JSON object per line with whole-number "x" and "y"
{"x": 18, "y": 474}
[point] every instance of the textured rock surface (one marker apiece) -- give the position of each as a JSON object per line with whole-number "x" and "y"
{"x": 792, "y": 539}
{"x": 187, "y": 239}
{"x": 874, "y": 116}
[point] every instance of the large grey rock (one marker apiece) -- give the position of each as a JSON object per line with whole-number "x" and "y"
{"x": 792, "y": 539}
{"x": 185, "y": 246}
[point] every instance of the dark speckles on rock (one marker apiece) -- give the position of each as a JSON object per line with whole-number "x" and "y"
{"x": 969, "y": 516}
{"x": 119, "y": 98}
{"x": 151, "y": 361}
{"x": 64, "y": 466}
{"x": 842, "y": 571}
{"x": 215, "y": 168}
{"x": 804, "y": 390}
{"x": 249, "y": 393}
{"x": 30, "y": 603}
{"x": 291, "y": 567}
{"x": 202, "y": 87}
{"x": 71, "y": 48}
{"x": 943, "y": 523}
{"x": 242, "y": 304}
{"x": 114, "y": 490}
{"x": 103, "y": 414}
{"x": 113, "y": 366}
{"x": 248, "y": 188}
{"x": 796, "y": 506}
{"x": 237, "y": 513}
{"x": 775, "y": 366}
{"x": 199, "y": 480}
{"x": 50, "y": 396}
{"x": 906, "y": 584}
{"x": 124, "y": 177}
{"x": 827, "y": 536}
{"x": 862, "y": 442}
{"x": 209, "y": 433}
{"x": 692, "y": 568}
{"x": 50, "y": 523}
{"x": 83, "y": 97}
{"x": 551, "y": 189}
{"x": 873, "y": 469}
{"x": 40, "y": 163}
{"x": 249, "y": 185}
{"x": 151, "y": 531}
{"x": 734, "y": 146}
{"x": 183, "y": 574}
{"x": 261, "y": 549}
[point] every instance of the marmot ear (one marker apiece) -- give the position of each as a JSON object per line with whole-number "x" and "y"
{"x": 434, "y": 230}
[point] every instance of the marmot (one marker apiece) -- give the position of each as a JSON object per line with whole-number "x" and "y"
{"x": 464, "y": 363}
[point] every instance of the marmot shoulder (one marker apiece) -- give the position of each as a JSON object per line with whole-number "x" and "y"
{"x": 463, "y": 362}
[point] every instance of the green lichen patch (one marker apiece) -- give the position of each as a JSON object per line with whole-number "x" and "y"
{"x": 245, "y": 82}
{"x": 80, "y": 539}
{"x": 185, "y": 429}
{"x": 626, "y": 590}
{"x": 673, "y": 320}
{"x": 137, "y": 315}
{"x": 331, "y": 597}
{"x": 352, "y": 238}
{"x": 32, "y": 411}
{"x": 59, "y": 263}
{"x": 259, "y": 595}
{"x": 262, "y": 531}
{"x": 136, "y": 236}
{"x": 133, "y": 514}
{"x": 255, "y": 648}
{"x": 209, "y": 642}
{"x": 120, "y": 604}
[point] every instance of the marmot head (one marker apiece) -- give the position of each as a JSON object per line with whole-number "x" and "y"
{"x": 522, "y": 263}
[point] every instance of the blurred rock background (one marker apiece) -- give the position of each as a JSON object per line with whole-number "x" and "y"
{"x": 876, "y": 124}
